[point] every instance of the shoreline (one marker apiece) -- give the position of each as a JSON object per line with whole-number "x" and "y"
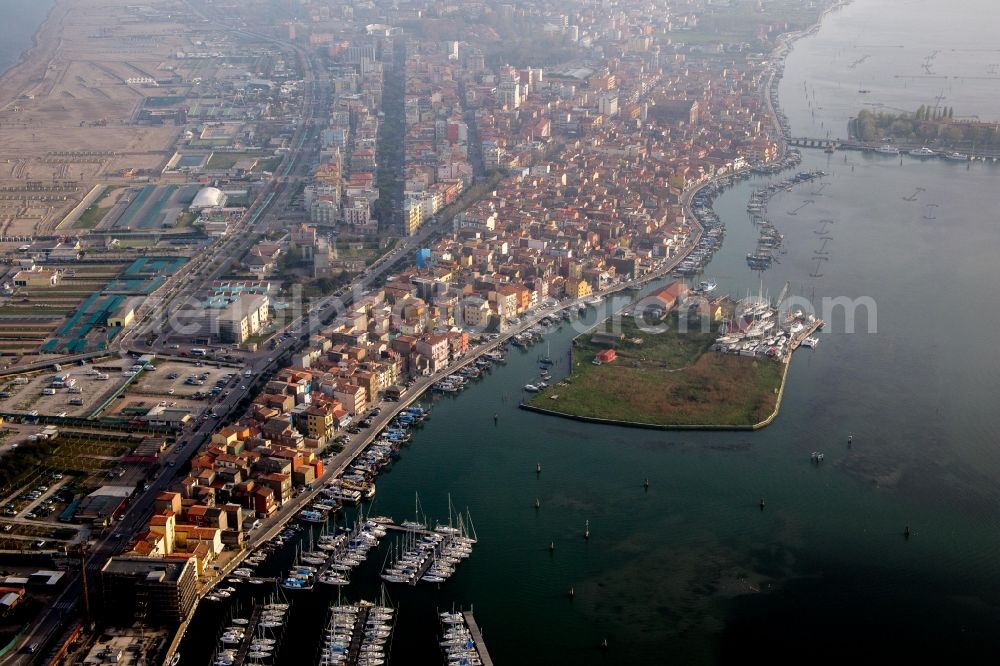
{"x": 781, "y": 51}
{"x": 725, "y": 427}
{"x": 25, "y": 61}
{"x": 25, "y": 53}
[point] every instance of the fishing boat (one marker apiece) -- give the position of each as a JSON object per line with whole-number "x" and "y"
{"x": 311, "y": 516}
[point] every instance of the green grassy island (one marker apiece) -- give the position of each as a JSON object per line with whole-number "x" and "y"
{"x": 667, "y": 380}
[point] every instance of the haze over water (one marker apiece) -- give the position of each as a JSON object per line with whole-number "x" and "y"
{"x": 21, "y": 19}
{"x": 906, "y": 53}
{"x": 691, "y": 571}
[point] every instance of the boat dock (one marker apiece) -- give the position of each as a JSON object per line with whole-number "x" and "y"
{"x": 251, "y": 631}
{"x": 477, "y": 638}
{"x": 399, "y": 528}
{"x": 426, "y": 564}
{"x": 811, "y": 328}
{"x": 354, "y": 650}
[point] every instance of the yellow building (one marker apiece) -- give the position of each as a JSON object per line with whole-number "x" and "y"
{"x": 412, "y": 217}
{"x": 122, "y": 318}
{"x": 578, "y": 288}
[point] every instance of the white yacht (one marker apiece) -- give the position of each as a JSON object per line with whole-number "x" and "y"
{"x": 923, "y": 151}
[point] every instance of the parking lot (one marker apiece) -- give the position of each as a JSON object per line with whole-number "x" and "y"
{"x": 73, "y": 391}
{"x": 176, "y": 380}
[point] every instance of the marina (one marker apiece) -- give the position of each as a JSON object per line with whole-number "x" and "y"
{"x": 462, "y": 640}
{"x": 770, "y": 241}
{"x": 253, "y": 640}
{"x": 357, "y": 634}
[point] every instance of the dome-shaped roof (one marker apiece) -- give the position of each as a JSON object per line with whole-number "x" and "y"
{"x": 208, "y": 197}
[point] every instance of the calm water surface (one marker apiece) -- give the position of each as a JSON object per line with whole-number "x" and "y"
{"x": 691, "y": 571}
{"x": 21, "y": 19}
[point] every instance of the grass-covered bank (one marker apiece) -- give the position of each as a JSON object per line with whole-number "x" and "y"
{"x": 665, "y": 379}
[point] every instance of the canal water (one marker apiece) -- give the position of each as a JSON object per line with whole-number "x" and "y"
{"x": 692, "y": 570}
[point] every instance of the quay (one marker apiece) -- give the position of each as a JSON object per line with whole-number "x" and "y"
{"x": 251, "y": 631}
{"x": 477, "y": 638}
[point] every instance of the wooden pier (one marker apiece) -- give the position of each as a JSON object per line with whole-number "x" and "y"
{"x": 251, "y": 631}
{"x": 406, "y": 530}
{"x": 357, "y": 636}
{"x": 805, "y": 333}
{"x": 477, "y": 638}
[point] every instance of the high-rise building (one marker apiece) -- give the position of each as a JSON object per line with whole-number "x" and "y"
{"x": 150, "y": 590}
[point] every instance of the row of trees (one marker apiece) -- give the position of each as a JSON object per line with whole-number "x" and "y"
{"x": 935, "y": 113}
{"x": 926, "y": 125}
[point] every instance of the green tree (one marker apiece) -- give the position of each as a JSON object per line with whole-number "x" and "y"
{"x": 953, "y": 134}
{"x": 901, "y": 128}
